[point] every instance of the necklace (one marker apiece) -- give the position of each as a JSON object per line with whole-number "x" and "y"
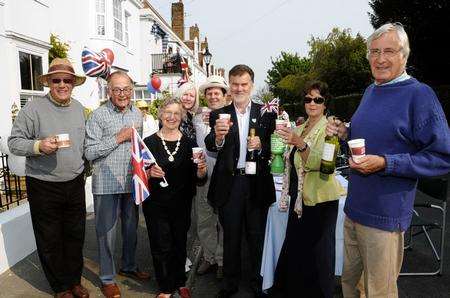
{"x": 171, "y": 154}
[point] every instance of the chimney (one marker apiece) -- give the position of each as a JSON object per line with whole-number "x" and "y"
{"x": 178, "y": 19}
{"x": 194, "y": 32}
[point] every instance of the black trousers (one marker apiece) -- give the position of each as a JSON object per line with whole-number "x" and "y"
{"x": 58, "y": 214}
{"x": 241, "y": 214}
{"x": 167, "y": 231}
{"x": 306, "y": 264}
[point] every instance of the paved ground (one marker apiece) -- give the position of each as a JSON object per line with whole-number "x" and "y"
{"x": 26, "y": 279}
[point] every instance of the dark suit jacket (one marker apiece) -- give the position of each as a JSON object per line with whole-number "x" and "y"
{"x": 262, "y": 187}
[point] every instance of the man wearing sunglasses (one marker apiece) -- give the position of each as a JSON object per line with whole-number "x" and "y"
{"x": 54, "y": 176}
{"x": 406, "y": 137}
{"x": 108, "y": 146}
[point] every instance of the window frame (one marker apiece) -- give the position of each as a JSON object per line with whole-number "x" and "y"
{"x": 40, "y": 88}
{"x": 100, "y": 14}
{"x": 118, "y": 20}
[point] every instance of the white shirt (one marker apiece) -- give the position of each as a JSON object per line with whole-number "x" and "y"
{"x": 149, "y": 126}
{"x": 243, "y": 123}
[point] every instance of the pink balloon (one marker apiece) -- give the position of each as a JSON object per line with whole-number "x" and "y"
{"x": 109, "y": 56}
{"x": 156, "y": 82}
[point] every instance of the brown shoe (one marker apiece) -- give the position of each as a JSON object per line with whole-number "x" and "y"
{"x": 80, "y": 291}
{"x": 65, "y": 294}
{"x": 111, "y": 291}
{"x": 135, "y": 274}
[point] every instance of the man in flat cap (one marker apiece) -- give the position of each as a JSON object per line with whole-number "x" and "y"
{"x": 50, "y": 131}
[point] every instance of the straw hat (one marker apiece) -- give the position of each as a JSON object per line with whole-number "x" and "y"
{"x": 61, "y": 65}
{"x": 214, "y": 81}
{"x": 141, "y": 104}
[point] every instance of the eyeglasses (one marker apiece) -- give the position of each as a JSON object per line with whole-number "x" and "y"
{"x": 126, "y": 90}
{"x": 66, "y": 81}
{"x": 388, "y": 52}
{"x": 318, "y": 100}
{"x": 172, "y": 114}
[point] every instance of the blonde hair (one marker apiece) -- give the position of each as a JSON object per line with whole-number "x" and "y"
{"x": 185, "y": 88}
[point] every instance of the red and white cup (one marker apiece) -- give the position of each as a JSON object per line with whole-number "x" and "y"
{"x": 280, "y": 123}
{"x": 225, "y": 116}
{"x": 197, "y": 154}
{"x": 205, "y": 114}
{"x": 63, "y": 140}
{"x": 358, "y": 149}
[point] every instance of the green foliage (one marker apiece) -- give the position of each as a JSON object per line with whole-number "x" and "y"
{"x": 153, "y": 107}
{"x": 340, "y": 61}
{"x": 427, "y": 26}
{"x": 286, "y": 64}
{"x": 202, "y": 101}
{"x": 59, "y": 49}
{"x": 263, "y": 94}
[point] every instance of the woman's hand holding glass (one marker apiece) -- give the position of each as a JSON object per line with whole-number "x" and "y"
{"x": 290, "y": 137}
{"x": 201, "y": 166}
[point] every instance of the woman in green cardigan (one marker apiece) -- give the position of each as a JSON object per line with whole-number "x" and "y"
{"x": 307, "y": 260}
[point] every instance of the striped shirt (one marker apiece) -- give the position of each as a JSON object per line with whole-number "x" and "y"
{"x": 111, "y": 162}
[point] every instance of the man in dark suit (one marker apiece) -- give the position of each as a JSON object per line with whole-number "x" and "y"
{"x": 241, "y": 200}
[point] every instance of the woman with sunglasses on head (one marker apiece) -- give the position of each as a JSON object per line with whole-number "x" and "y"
{"x": 168, "y": 210}
{"x": 306, "y": 264}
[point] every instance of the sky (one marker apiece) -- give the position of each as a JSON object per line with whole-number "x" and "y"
{"x": 254, "y": 31}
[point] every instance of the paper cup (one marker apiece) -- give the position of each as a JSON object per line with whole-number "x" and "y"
{"x": 63, "y": 140}
{"x": 225, "y": 116}
{"x": 205, "y": 114}
{"x": 280, "y": 123}
{"x": 358, "y": 149}
{"x": 197, "y": 154}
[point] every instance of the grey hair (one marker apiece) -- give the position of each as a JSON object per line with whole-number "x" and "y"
{"x": 388, "y": 27}
{"x": 184, "y": 89}
{"x": 119, "y": 73}
{"x": 167, "y": 103}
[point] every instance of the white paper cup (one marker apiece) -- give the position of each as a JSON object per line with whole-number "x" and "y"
{"x": 196, "y": 154}
{"x": 280, "y": 123}
{"x": 205, "y": 114}
{"x": 225, "y": 116}
{"x": 358, "y": 149}
{"x": 63, "y": 140}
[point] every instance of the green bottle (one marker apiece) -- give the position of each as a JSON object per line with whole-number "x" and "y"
{"x": 330, "y": 150}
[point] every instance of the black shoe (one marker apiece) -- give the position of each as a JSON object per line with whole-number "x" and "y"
{"x": 226, "y": 293}
{"x": 259, "y": 293}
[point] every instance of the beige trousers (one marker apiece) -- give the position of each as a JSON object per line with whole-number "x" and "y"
{"x": 373, "y": 256}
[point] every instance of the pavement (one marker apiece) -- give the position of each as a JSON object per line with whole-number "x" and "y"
{"x": 26, "y": 278}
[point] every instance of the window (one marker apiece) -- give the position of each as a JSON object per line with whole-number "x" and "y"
{"x": 117, "y": 13}
{"x": 127, "y": 20}
{"x": 100, "y": 16}
{"x": 30, "y": 70}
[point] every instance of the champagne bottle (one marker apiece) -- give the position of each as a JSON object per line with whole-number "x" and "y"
{"x": 250, "y": 158}
{"x": 330, "y": 150}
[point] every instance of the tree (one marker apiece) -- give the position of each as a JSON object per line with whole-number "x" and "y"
{"x": 340, "y": 61}
{"x": 59, "y": 49}
{"x": 427, "y": 26}
{"x": 263, "y": 94}
{"x": 286, "y": 65}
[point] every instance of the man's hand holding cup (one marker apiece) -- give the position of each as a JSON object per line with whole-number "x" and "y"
{"x": 222, "y": 127}
{"x": 48, "y": 145}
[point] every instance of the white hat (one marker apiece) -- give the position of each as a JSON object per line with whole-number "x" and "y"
{"x": 214, "y": 81}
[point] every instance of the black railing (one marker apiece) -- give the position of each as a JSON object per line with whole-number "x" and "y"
{"x": 166, "y": 63}
{"x": 12, "y": 187}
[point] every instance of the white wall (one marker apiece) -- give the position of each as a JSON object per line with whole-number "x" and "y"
{"x": 17, "y": 35}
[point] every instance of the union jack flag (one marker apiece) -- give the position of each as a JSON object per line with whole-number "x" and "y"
{"x": 94, "y": 64}
{"x": 271, "y": 106}
{"x": 141, "y": 157}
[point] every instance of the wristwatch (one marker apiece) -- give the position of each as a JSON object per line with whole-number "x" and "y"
{"x": 303, "y": 149}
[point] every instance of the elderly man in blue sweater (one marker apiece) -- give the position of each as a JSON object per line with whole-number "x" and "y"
{"x": 407, "y": 137}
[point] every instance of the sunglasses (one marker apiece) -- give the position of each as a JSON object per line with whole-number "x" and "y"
{"x": 317, "y": 100}
{"x": 66, "y": 81}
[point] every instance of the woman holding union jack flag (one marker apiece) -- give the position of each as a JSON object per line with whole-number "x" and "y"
{"x": 167, "y": 212}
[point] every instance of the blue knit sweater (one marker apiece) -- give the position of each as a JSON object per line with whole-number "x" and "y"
{"x": 405, "y": 123}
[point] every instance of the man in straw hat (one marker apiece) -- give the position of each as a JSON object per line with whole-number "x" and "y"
{"x": 209, "y": 230}
{"x": 149, "y": 125}
{"x": 49, "y": 131}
